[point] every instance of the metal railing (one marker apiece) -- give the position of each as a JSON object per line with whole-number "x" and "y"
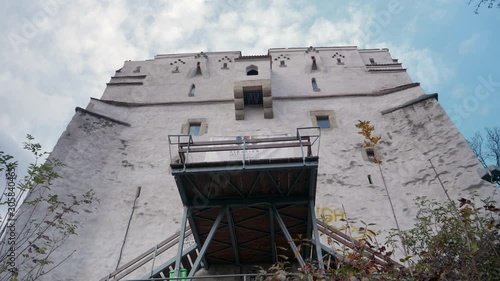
{"x": 149, "y": 255}
{"x": 182, "y": 147}
{"x": 243, "y": 277}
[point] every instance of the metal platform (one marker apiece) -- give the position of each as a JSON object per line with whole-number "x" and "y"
{"x": 242, "y": 211}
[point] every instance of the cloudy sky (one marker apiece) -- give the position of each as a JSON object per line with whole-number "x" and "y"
{"x": 56, "y": 54}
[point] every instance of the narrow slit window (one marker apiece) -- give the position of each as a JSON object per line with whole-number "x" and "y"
{"x": 370, "y": 179}
{"x": 372, "y": 60}
{"x": 323, "y": 122}
{"x": 314, "y": 65}
{"x": 314, "y": 84}
{"x": 198, "y": 68}
{"x": 192, "y": 90}
{"x": 194, "y": 129}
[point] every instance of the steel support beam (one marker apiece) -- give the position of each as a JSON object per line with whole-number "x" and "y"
{"x": 181, "y": 242}
{"x": 250, "y": 167}
{"x": 232, "y": 233}
{"x": 312, "y": 195}
{"x": 288, "y": 237}
{"x": 274, "y": 182}
{"x": 290, "y": 188}
{"x": 231, "y": 184}
{"x": 317, "y": 242}
{"x": 203, "y": 250}
{"x": 195, "y": 234}
{"x": 273, "y": 239}
{"x": 255, "y": 181}
{"x": 238, "y": 202}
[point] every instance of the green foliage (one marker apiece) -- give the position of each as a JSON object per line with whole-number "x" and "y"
{"x": 38, "y": 238}
{"x": 451, "y": 242}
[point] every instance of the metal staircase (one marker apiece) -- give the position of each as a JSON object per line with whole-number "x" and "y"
{"x": 253, "y": 197}
{"x": 151, "y": 255}
{"x": 190, "y": 254}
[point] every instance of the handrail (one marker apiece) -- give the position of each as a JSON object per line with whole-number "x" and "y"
{"x": 145, "y": 257}
{"x": 245, "y": 277}
{"x": 323, "y": 228}
{"x": 350, "y": 242}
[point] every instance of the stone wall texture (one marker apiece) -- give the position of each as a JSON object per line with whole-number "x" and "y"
{"x": 152, "y": 96}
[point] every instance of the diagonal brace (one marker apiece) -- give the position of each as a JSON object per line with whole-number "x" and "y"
{"x": 317, "y": 241}
{"x": 181, "y": 242}
{"x": 288, "y": 236}
{"x": 232, "y": 233}
{"x": 211, "y": 234}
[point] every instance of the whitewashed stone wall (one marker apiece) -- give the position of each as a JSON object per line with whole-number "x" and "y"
{"x": 113, "y": 159}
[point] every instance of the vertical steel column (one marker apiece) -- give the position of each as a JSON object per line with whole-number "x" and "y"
{"x": 207, "y": 242}
{"x": 181, "y": 243}
{"x": 317, "y": 242}
{"x": 288, "y": 237}
{"x": 271, "y": 230}
{"x": 232, "y": 233}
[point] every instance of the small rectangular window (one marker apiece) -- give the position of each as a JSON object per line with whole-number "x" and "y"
{"x": 282, "y": 63}
{"x": 323, "y": 122}
{"x": 194, "y": 129}
{"x": 372, "y": 60}
{"x": 370, "y": 153}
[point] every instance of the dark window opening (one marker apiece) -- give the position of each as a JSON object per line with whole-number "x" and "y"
{"x": 372, "y": 60}
{"x": 224, "y": 66}
{"x": 370, "y": 179}
{"x": 282, "y": 63}
{"x": 314, "y": 84}
{"x": 339, "y": 61}
{"x": 192, "y": 90}
{"x": 252, "y": 72}
{"x": 194, "y": 129}
{"x": 314, "y": 65}
{"x": 198, "y": 68}
{"x": 370, "y": 153}
{"x": 253, "y": 97}
{"x": 323, "y": 122}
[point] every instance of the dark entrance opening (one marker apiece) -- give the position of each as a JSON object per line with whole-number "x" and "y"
{"x": 253, "y": 97}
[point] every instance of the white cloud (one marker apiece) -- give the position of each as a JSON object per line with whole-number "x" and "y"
{"x": 81, "y": 45}
{"x": 459, "y": 92}
{"x": 468, "y": 45}
{"x": 424, "y": 66}
{"x": 32, "y": 111}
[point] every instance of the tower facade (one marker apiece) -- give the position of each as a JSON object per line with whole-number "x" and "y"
{"x": 119, "y": 146}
